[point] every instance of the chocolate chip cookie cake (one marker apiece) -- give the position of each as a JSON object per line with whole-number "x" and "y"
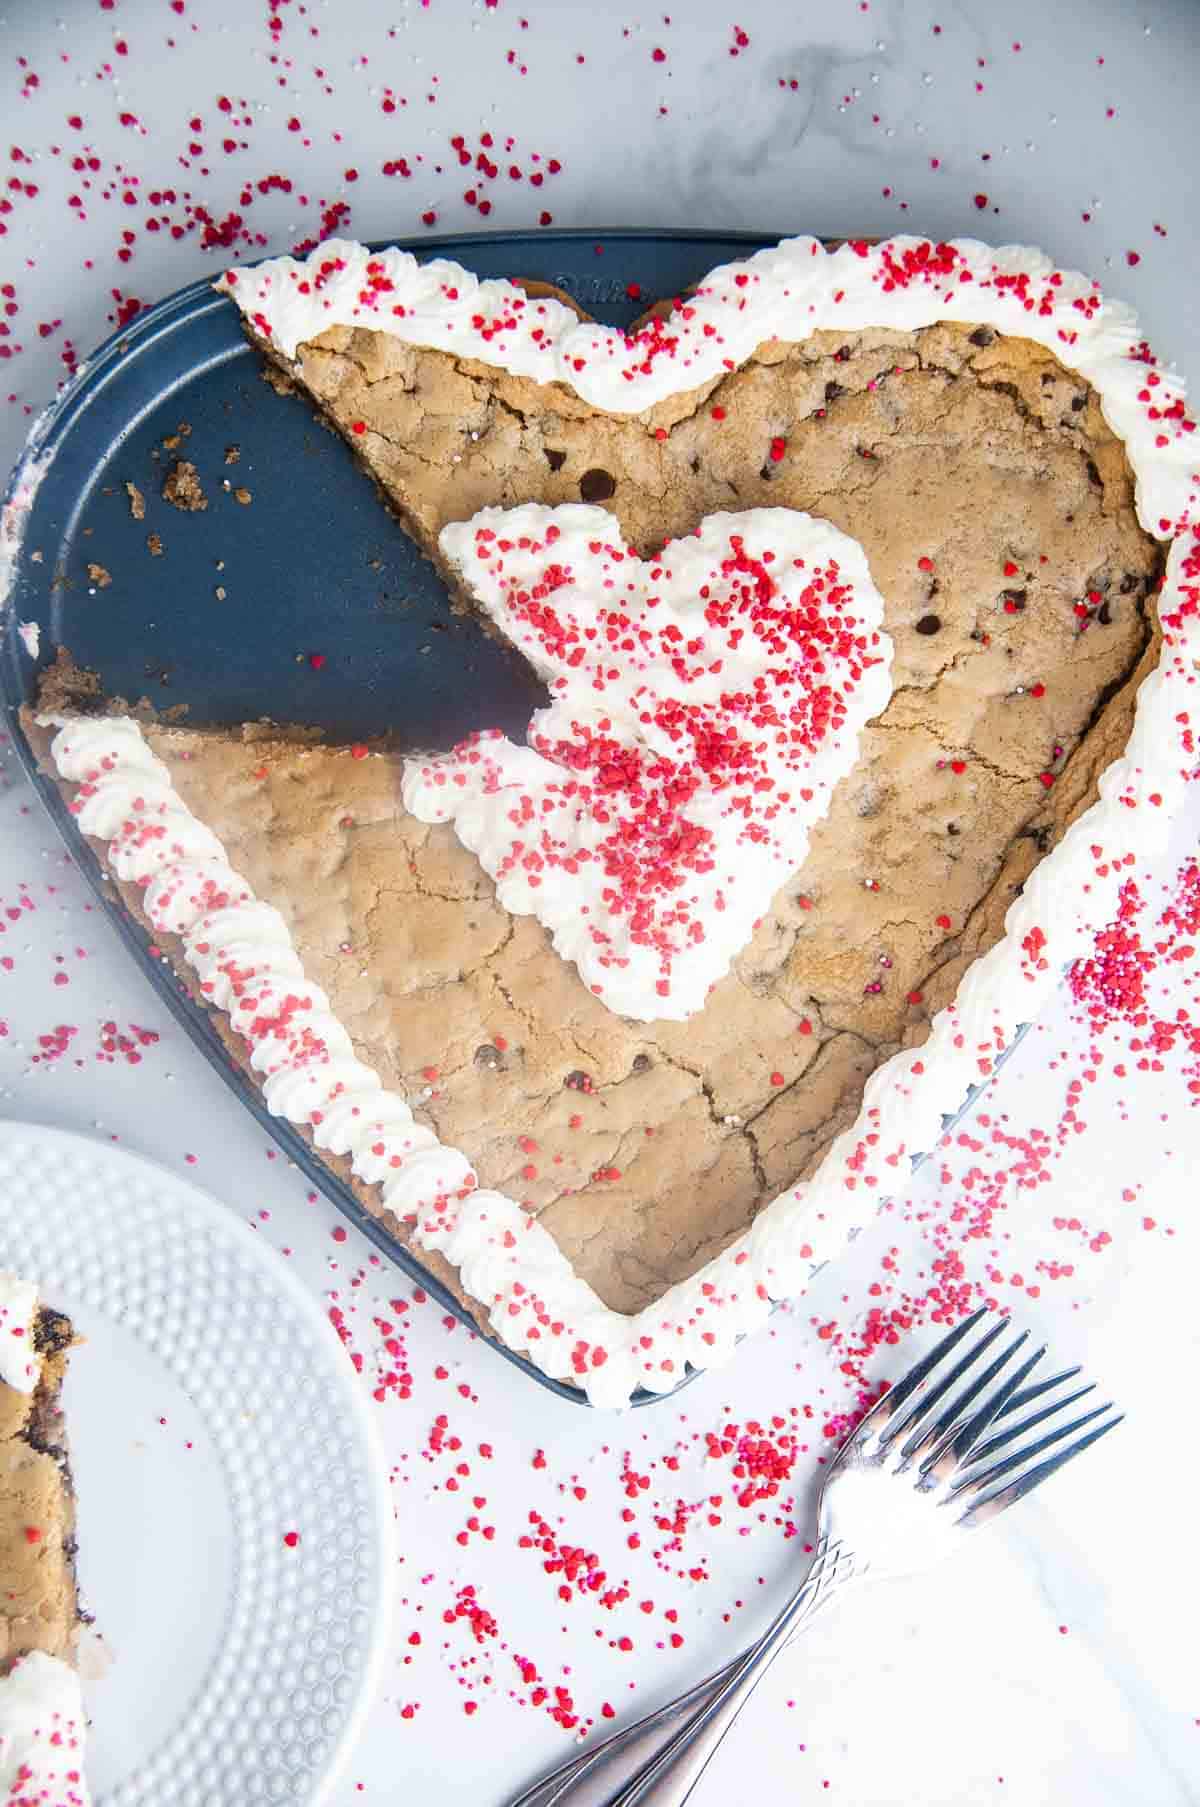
{"x": 862, "y": 585}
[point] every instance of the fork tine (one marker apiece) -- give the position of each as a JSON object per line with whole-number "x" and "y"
{"x": 904, "y": 1389}
{"x": 925, "y": 1404}
{"x": 960, "y": 1436}
{"x": 1004, "y": 1437}
{"x": 939, "y": 1432}
{"x": 1035, "y": 1392}
{"x": 981, "y": 1510}
{"x": 1020, "y": 1457}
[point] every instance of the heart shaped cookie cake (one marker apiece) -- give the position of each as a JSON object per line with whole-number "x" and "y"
{"x": 863, "y": 586}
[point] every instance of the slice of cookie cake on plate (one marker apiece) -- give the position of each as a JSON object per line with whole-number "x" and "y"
{"x": 42, "y": 1721}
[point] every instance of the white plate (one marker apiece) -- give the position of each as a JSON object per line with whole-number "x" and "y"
{"x": 240, "y": 1667}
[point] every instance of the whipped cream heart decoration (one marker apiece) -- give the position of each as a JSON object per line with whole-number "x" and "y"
{"x": 705, "y": 703}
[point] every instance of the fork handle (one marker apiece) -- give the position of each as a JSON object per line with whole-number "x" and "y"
{"x": 669, "y": 1778}
{"x": 637, "y": 1767}
{"x": 600, "y": 1768}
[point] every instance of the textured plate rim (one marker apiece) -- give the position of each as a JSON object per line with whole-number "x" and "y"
{"x": 207, "y": 1205}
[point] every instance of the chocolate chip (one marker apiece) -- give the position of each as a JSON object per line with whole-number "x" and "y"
{"x": 929, "y": 624}
{"x": 953, "y": 828}
{"x": 1078, "y": 402}
{"x": 1013, "y": 599}
{"x": 983, "y": 335}
{"x": 1104, "y": 614}
{"x": 641, "y": 1063}
{"x": 578, "y": 1081}
{"x": 489, "y": 1057}
{"x": 1094, "y": 474}
{"x": 555, "y": 460}
{"x": 832, "y": 391}
{"x": 1129, "y": 583}
{"x": 597, "y": 485}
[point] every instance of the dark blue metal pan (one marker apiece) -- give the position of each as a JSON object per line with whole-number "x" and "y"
{"x": 312, "y": 564}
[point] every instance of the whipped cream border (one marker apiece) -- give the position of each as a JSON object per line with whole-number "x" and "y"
{"x": 510, "y": 1265}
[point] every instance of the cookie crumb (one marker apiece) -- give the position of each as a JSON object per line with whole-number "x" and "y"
{"x": 232, "y": 454}
{"x": 70, "y": 687}
{"x": 243, "y": 496}
{"x": 181, "y": 487}
{"x": 154, "y": 545}
{"x": 276, "y": 380}
{"x": 137, "y": 501}
{"x": 220, "y": 592}
{"x": 99, "y": 576}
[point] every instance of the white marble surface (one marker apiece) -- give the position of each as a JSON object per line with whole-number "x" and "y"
{"x": 1054, "y": 1660}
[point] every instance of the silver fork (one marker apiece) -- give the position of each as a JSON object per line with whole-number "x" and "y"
{"x": 930, "y": 1459}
